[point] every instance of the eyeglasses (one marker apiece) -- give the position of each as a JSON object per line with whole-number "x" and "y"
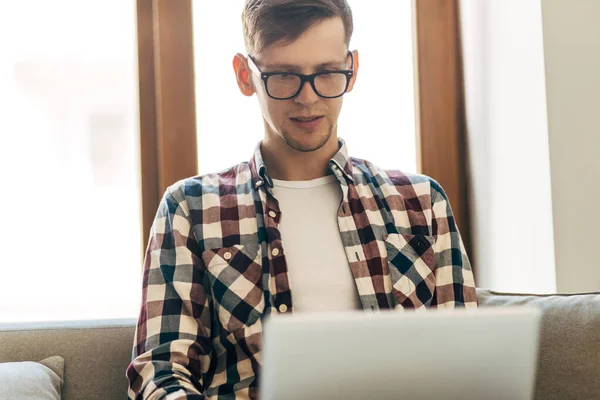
{"x": 287, "y": 85}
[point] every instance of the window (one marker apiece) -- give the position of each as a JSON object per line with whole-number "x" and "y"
{"x": 378, "y": 118}
{"x": 70, "y": 197}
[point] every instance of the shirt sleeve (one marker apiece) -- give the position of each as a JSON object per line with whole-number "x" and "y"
{"x": 454, "y": 281}
{"x": 172, "y": 345}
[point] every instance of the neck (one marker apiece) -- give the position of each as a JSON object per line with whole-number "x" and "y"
{"x": 288, "y": 164}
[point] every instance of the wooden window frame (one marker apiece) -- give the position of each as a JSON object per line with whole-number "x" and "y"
{"x": 166, "y": 99}
{"x": 439, "y": 103}
{"x": 168, "y": 114}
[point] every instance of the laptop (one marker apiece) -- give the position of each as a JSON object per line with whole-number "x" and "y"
{"x": 486, "y": 353}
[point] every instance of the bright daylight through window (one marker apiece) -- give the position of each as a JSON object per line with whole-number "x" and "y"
{"x": 71, "y": 231}
{"x": 377, "y": 119}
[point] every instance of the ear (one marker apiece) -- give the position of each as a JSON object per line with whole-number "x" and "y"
{"x": 243, "y": 75}
{"x": 356, "y": 65}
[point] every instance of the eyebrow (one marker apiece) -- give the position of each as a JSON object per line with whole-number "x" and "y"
{"x": 292, "y": 67}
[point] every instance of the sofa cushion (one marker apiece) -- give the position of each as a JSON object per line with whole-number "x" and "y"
{"x": 29, "y": 380}
{"x": 96, "y": 353}
{"x": 569, "y": 357}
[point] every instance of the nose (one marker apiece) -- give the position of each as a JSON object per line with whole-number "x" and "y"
{"x": 307, "y": 95}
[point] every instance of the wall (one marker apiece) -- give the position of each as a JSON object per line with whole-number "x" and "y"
{"x": 572, "y": 53}
{"x": 532, "y": 82}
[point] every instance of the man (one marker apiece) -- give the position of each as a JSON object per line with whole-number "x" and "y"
{"x": 301, "y": 227}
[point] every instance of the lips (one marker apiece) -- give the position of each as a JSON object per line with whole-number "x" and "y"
{"x": 306, "y": 119}
{"x": 309, "y": 123}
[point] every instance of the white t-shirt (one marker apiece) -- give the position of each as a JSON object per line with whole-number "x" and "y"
{"x": 319, "y": 272}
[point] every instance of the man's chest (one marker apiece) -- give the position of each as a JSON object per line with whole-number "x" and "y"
{"x": 253, "y": 257}
{"x": 318, "y": 268}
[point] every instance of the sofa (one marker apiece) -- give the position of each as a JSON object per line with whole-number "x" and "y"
{"x": 96, "y": 353}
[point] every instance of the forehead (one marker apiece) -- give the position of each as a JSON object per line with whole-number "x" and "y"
{"x": 324, "y": 42}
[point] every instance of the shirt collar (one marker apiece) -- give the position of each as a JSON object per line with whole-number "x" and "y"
{"x": 339, "y": 164}
{"x": 341, "y": 161}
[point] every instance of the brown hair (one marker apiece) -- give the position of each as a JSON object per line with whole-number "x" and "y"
{"x": 266, "y": 22}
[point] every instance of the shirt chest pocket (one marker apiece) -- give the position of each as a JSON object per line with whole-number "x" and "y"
{"x": 235, "y": 275}
{"x": 411, "y": 261}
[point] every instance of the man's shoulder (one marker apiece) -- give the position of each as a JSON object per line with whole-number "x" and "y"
{"x": 225, "y": 182}
{"x": 405, "y": 183}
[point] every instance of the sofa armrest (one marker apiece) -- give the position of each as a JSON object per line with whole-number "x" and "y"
{"x": 569, "y": 358}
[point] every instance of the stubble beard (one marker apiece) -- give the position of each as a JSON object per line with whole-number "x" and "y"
{"x": 297, "y": 145}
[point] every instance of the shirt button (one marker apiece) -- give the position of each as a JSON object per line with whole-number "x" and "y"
{"x": 283, "y": 308}
{"x": 227, "y": 256}
{"x": 275, "y": 252}
{"x": 272, "y": 214}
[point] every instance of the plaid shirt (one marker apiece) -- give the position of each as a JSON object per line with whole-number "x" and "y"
{"x": 216, "y": 267}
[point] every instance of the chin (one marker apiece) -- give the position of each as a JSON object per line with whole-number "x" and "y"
{"x": 306, "y": 142}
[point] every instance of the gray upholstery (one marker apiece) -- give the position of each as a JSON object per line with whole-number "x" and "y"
{"x": 96, "y": 353}
{"x": 569, "y": 358}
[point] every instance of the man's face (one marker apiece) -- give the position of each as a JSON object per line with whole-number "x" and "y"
{"x": 321, "y": 48}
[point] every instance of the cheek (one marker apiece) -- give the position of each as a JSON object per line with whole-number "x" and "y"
{"x": 274, "y": 111}
{"x": 264, "y": 102}
{"x": 335, "y": 106}
{"x": 263, "y": 99}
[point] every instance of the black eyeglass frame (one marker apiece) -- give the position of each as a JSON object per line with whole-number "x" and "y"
{"x": 303, "y": 78}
